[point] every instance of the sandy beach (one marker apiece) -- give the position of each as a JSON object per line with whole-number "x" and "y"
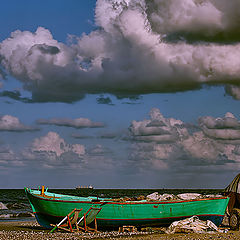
{"x": 31, "y": 230}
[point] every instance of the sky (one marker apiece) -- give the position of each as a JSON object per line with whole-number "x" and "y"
{"x": 119, "y": 93}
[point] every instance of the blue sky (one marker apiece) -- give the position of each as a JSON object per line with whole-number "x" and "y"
{"x": 114, "y": 94}
{"x": 73, "y": 17}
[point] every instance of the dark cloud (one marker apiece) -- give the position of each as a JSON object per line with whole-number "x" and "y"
{"x": 104, "y": 100}
{"x": 131, "y": 97}
{"x": 15, "y": 95}
{"x": 233, "y": 91}
{"x": 108, "y": 135}
{"x": 75, "y": 123}
{"x": 45, "y": 49}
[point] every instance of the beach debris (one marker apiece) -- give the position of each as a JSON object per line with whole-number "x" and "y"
{"x": 193, "y": 225}
{"x": 161, "y": 197}
{"x": 153, "y": 196}
{"x": 3, "y": 206}
{"x": 167, "y": 196}
{"x": 141, "y": 197}
{"x": 183, "y": 196}
{"x": 213, "y": 195}
{"x": 189, "y": 196}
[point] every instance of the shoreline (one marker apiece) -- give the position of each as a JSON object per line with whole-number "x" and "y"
{"x": 32, "y": 231}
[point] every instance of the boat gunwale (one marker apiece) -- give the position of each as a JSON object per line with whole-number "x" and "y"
{"x": 121, "y": 203}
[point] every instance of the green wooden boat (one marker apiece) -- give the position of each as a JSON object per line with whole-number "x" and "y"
{"x": 50, "y": 208}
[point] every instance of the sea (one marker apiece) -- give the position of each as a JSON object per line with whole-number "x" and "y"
{"x": 14, "y": 205}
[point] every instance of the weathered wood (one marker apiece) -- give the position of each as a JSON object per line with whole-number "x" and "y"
{"x": 127, "y": 229}
{"x": 71, "y": 222}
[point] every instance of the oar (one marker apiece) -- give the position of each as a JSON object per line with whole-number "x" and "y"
{"x": 58, "y": 224}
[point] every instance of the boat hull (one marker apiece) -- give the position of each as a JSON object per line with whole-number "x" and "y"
{"x": 50, "y": 210}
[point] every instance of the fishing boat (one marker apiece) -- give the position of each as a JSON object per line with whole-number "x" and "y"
{"x": 51, "y": 208}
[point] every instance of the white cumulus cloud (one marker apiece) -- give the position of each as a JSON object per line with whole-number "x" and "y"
{"x": 215, "y": 142}
{"x": 158, "y": 128}
{"x": 52, "y": 143}
{"x": 140, "y": 47}
{"x": 11, "y": 123}
{"x": 226, "y": 128}
{"x": 52, "y": 151}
